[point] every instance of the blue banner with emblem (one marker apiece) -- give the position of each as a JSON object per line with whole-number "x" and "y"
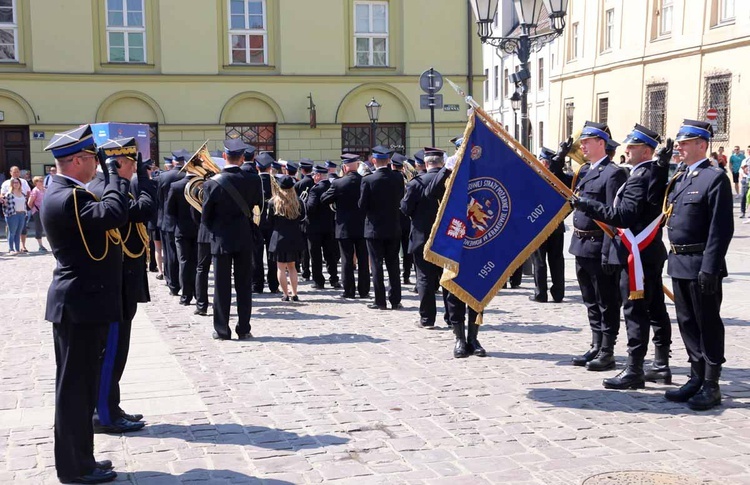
{"x": 499, "y": 206}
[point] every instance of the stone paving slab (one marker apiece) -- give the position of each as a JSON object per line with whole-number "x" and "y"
{"x": 330, "y": 391}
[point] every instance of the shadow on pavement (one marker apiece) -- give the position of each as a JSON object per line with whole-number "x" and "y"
{"x": 609, "y": 400}
{"x": 515, "y": 327}
{"x": 331, "y": 338}
{"x": 237, "y": 434}
{"x": 559, "y": 359}
{"x": 195, "y": 475}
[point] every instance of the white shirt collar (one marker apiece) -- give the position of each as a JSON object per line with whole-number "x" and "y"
{"x": 74, "y": 180}
{"x": 594, "y": 165}
{"x": 632, "y": 170}
{"x": 692, "y": 168}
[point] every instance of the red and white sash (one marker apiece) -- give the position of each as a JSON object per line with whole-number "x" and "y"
{"x": 635, "y": 244}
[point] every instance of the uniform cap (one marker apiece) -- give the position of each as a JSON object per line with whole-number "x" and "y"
{"x": 80, "y": 139}
{"x": 457, "y": 140}
{"x": 691, "y": 129}
{"x": 264, "y": 160}
{"x": 419, "y": 157}
{"x": 276, "y": 165}
{"x": 330, "y": 164}
{"x": 305, "y": 163}
{"x": 595, "y": 130}
{"x": 642, "y": 136}
{"x": 180, "y": 155}
{"x": 433, "y": 152}
{"x": 398, "y": 159}
{"x": 350, "y": 158}
{"x": 292, "y": 168}
{"x": 546, "y": 154}
{"x": 234, "y": 147}
{"x": 285, "y": 181}
{"x": 320, "y": 169}
{"x": 249, "y": 153}
{"x": 612, "y": 145}
{"x": 381, "y": 153}
{"x": 120, "y": 147}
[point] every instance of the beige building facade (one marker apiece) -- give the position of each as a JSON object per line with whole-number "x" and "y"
{"x": 653, "y": 62}
{"x": 207, "y": 69}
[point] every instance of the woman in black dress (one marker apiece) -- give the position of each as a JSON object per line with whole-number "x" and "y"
{"x": 285, "y": 212}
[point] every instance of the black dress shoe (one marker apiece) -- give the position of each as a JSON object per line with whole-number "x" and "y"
{"x": 397, "y": 306}
{"x": 604, "y": 360}
{"x": 96, "y": 476}
{"x": 131, "y": 417}
{"x": 375, "y": 306}
{"x": 185, "y": 303}
{"x": 257, "y": 290}
{"x": 336, "y": 285}
{"x": 365, "y": 296}
{"x": 174, "y": 292}
{"x": 216, "y": 336}
{"x": 347, "y": 297}
{"x": 407, "y": 281}
{"x": 426, "y": 326}
{"x": 582, "y": 360}
{"x": 538, "y": 299}
{"x": 245, "y": 336}
{"x": 160, "y": 276}
{"x": 202, "y": 313}
{"x": 104, "y": 465}
{"x": 316, "y": 286}
{"x": 120, "y": 425}
{"x": 630, "y": 378}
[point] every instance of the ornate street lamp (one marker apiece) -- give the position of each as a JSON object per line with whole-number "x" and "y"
{"x": 515, "y": 103}
{"x": 373, "y": 111}
{"x": 528, "y": 12}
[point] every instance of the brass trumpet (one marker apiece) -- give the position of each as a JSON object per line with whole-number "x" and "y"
{"x": 202, "y": 165}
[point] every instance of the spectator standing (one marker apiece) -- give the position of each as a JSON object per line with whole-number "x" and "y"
{"x": 48, "y": 177}
{"x": 735, "y": 161}
{"x": 15, "y": 215}
{"x": 35, "y": 204}
{"x": 722, "y": 159}
{"x": 285, "y": 212}
{"x": 15, "y": 173}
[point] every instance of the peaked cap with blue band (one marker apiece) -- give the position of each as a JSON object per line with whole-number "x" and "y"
{"x": 419, "y": 157}
{"x": 79, "y": 139}
{"x": 350, "y": 158}
{"x": 291, "y": 168}
{"x": 642, "y": 136}
{"x": 457, "y": 141}
{"x": 546, "y": 154}
{"x": 596, "y": 130}
{"x": 234, "y": 147}
{"x": 120, "y": 147}
{"x": 180, "y": 155}
{"x": 691, "y": 129}
{"x": 249, "y": 153}
{"x": 320, "y": 169}
{"x": 381, "y": 153}
{"x": 398, "y": 160}
{"x": 611, "y": 145}
{"x": 306, "y": 163}
{"x": 330, "y": 164}
{"x": 264, "y": 160}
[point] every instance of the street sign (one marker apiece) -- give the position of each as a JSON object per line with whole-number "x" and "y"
{"x": 39, "y": 135}
{"x": 424, "y": 101}
{"x": 451, "y": 107}
{"x": 712, "y": 114}
{"x": 431, "y": 81}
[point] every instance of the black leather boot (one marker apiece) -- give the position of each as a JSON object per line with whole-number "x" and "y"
{"x": 460, "y": 351}
{"x": 659, "y": 370}
{"x": 604, "y": 360}
{"x": 709, "y": 396}
{"x": 472, "y": 344}
{"x": 630, "y": 378}
{"x": 691, "y": 387}
{"x": 596, "y": 343}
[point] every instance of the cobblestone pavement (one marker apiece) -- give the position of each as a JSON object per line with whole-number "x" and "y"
{"x": 331, "y": 391}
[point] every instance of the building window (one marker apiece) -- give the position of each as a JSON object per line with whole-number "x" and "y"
{"x": 573, "y": 53}
{"x": 609, "y": 29}
{"x": 603, "y": 110}
{"x": 495, "y": 81}
{"x": 8, "y": 31}
{"x": 655, "y": 108}
{"x": 486, "y": 85}
{"x": 506, "y": 89}
{"x": 569, "y": 108}
{"x": 371, "y": 33}
{"x": 248, "y": 32}
{"x": 126, "y": 31}
{"x": 261, "y": 136}
{"x": 153, "y": 138}
{"x": 541, "y": 134}
{"x": 726, "y": 10}
{"x": 717, "y": 96}
{"x": 665, "y": 20}
{"x": 359, "y": 138}
{"x": 540, "y": 76}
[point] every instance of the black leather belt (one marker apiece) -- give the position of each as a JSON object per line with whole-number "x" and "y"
{"x": 584, "y": 234}
{"x": 688, "y": 248}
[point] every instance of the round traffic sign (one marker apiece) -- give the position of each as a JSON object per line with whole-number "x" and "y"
{"x": 431, "y": 81}
{"x": 711, "y": 114}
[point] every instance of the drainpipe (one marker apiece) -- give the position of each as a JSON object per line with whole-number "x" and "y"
{"x": 469, "y": 52}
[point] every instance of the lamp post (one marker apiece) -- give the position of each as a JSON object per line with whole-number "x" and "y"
{"x": 528, "y": 15}
{"x": 515, "y": 103}
{"x": 373, "y": 110}
{"x": 569, "y": 109}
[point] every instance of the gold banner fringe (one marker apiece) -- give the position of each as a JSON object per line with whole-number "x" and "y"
{"x": 636, "y": 295}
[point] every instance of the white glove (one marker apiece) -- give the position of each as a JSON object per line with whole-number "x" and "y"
{"x": 451, "y": 161}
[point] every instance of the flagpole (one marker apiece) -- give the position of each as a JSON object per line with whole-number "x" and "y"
{"x": 562, "y": 188}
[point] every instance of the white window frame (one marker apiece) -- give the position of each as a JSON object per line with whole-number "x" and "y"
{"x": 247, "y": 32}
{"x": 14, "y": 27}
{"x": 667, "y": 6}
{"x": 574, "y": 34}
{"x": 372, "y": 35}
{"x": 609, "y": 29}
{"x": 540, "y": 73}
{"x": 723, "y": 5}
{"x": 125, "y": 30}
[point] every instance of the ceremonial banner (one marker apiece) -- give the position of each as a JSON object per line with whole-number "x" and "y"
{"x": 499, "y": 206}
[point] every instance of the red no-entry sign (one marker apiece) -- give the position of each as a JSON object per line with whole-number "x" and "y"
{"x": 711, "y": 114}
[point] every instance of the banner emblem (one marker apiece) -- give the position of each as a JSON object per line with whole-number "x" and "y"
{"x": 487, "y": 212}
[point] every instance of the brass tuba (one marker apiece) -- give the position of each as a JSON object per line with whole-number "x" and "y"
{"x": 575, "y": 151}
{"x": 202, "y": 165}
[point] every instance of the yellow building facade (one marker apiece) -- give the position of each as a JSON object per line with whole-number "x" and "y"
{"x": 653, "y": 62}
{"x": 207, "y": 69}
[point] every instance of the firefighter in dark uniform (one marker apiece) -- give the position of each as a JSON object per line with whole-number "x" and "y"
{"x": 422, "y": 212}
{"x": 456, "y": 310}
{"x": 263, "y": 162}
{"x": 203, "y": 264}
{"x": 700, "y": 226}
{"x": 407, "y": 261}
{"x": 639, "y": 250}
{"x": 343, "y": 196}
{"x": 229, "y": 221}
{"x": 85, "y": 296}
{"x": 320, "y": 232}
{"x": 332, "y": 169}
{"x": 550, "y": 253}
{"x": 419, "y": 162}
{"x": 303, "y": 186}
{"x": 249, "y": 156}
{"x": 380, "y": 199}
{"x": 167, "y": 227}
{"x": 186, "y": 237}
{"x": 598, "y": 278}
{"x": 250, "y": 167}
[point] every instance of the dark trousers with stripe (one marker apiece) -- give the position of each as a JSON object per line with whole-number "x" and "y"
{"x": 700, "y": 323}
{"x": 201, "y": 277}
{"x": 187, "y": 255}
{"x": 77, "y": 352}
{"x": 385, "y": 251}
{"x": 171, "y": 264}
{"x": 240, "y": 264}
{"x": 428, "y": 282}
{"x": 601, "y": 295}
{"x": 349, "y": 248}
{"x": 647, "y": 312}
{"x": 322, "y": 247}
